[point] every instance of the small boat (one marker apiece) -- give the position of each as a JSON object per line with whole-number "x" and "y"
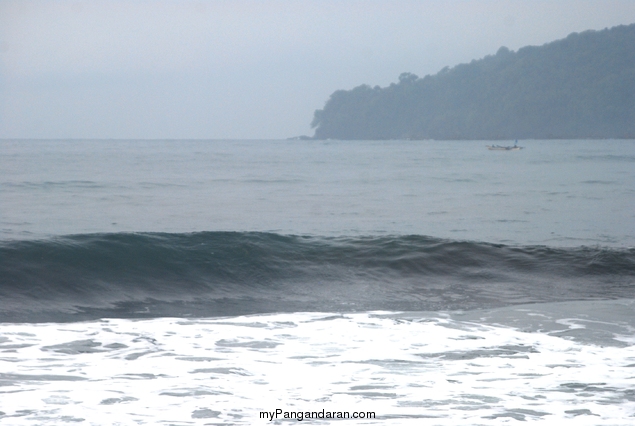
{"x": 504, "y": 148}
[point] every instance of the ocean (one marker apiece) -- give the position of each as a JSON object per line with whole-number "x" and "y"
{"x": 247, "y": 282}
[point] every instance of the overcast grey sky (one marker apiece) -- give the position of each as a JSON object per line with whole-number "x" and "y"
{"x": 243, "y": 69}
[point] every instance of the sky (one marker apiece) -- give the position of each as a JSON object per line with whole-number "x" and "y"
{"x": 242, "y": 69}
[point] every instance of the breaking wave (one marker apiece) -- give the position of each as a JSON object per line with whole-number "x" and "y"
{"x": 233, "y": 273}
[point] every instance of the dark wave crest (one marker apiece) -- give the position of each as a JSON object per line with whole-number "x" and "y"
{"x": 230, "y": 273}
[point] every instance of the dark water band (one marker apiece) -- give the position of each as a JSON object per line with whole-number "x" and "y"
{"x": 228, "y": 273}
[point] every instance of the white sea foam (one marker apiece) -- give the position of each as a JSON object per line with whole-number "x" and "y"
{"x": 431, "y": 368}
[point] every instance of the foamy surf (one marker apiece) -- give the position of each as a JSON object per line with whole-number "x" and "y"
{"x": 438, "y": 368}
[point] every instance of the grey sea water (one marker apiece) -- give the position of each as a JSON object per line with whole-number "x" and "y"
{"x": 560, "y": 193}
{"x": 209, "y": 282}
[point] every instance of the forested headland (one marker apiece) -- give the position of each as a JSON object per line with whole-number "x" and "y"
{"x": 582, "y": 86}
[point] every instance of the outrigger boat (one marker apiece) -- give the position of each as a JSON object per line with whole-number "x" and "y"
{"x": 505, "y": 148}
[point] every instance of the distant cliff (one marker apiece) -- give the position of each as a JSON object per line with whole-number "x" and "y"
{"x": 582, "y": 86}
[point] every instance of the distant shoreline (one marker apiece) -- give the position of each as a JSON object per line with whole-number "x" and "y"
{"x": 580, "y": 87}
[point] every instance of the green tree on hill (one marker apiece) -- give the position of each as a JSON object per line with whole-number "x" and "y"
{"x": 582, "y": 86}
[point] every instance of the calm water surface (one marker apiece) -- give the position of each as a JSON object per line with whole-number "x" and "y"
{"x": 561, "y": 193}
